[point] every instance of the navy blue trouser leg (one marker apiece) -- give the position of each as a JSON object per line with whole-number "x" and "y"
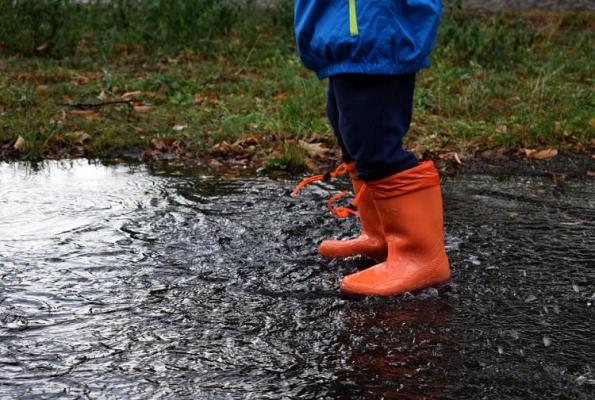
{"x": 370, "y": 116}
{"x": 332, "y": 112}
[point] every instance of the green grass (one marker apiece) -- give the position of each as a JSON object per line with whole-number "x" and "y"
{"x": 215, "y": 74}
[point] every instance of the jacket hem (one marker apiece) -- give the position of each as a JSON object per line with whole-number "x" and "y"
{"x": 371, "y": 69}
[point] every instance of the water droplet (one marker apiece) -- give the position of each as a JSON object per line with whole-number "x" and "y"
{"x": 581, "y": 380}
{"x": 547, "y": 342}
{"x": 575, "y": 288}
{"x": 530, "y": 299}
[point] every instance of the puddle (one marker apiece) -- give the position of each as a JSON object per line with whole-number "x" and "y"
{"x": 122, "y": 281}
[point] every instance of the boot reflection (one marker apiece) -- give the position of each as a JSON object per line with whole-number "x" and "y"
{"x": 396, "y": 351}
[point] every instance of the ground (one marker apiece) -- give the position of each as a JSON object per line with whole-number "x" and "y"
{"x": 501, "y": 85}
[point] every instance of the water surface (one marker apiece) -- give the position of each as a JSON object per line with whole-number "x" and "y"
{"x": 128, "y": 282}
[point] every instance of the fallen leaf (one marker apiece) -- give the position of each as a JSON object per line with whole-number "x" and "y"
{"x": 501, "y": 129}
{"x": 42, "y": 47}
{"x": 457, "y": 159}
{"x": 314, "y": 149}
{"x": 591, "y": 174}
{"x": 81, "y": 80}
{"x": 131, "y": 95}
{"x": 102, "y": 95}
{"x": 80, "y": 137}
{"x": 41, "y": 90}
{"x": 142, "y": 108}
{"x": 214, "y": 163}
{"x": 138, "y": 129}
{"x": 159, "y": 144}
{"x": 544, "y": 154}
{"x": 528, "y": 152}
{"x": 280, "y": 96}
{"x": 452, "y": 157}
{"x": 226, "y": 149}
{"x": 247, "y": 141}
{"x": 58, "y": 139}
{"x": 84, "y": 112}
{"x": 20, "y": 144}
{"x": 24, "y": 76}
{"x": 179, "y": 128}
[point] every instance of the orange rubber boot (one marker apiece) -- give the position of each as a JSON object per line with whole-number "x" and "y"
{"x": 371, "y": 241}
{"x": 409, "y": 204}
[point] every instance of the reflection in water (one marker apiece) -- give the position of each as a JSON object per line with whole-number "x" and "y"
{"x": 123, "y": 281}
{"x": 397, "y": 350}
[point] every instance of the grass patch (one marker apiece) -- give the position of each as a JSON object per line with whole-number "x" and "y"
{"x": 197, "y": 74}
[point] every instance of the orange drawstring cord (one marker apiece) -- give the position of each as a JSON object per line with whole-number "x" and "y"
{"x": 339, "y": 212}
{"x": 340, "y": 170}
{"x": 344, "y": 212}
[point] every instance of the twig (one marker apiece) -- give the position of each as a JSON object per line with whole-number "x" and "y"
{"x": 88, "y": 106}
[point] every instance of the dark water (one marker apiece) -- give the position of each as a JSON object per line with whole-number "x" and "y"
{"x": 120, "y": 282}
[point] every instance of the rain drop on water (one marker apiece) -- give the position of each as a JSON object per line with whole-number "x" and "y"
{"x": 575, "y": 288}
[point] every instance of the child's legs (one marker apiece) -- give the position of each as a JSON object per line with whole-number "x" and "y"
{"x": 332, "y": 113}
{"x": 374, "y": 114}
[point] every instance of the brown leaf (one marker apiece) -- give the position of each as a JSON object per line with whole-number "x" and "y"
{"x": 141, "y": 108}
{"x": 457, "y": 159}
{"x": 544, "y": 154}
{"x": 85, "y": 113}
{"x": 501, "y": 128}
{"x": 24, "y": 76}
{"x": 214, "y": 163}
{"x": 58, "y": 139}
{"x": 280, "y": 96}
{"x": 81, "y": 80}
{"x": 41, "y": 90}
{"x": 42, "y": 47}
{"x": 314, "y": 149}
{"x": 138, "y": 129}
{"x": 247, "y": 141}
{"x": 452, "y": 157}
{"x": 226, "y": 149}
{"x": 159, "y": 144}
{"x": 20, "y": 144}
{"x": 591, "y": 174}
{"x": 80, "y": 137}
{"x": 131, "y": 95}
{"x": 528, "y": 152}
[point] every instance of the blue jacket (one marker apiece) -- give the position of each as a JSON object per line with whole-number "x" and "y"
{"x": 366, "y": 36}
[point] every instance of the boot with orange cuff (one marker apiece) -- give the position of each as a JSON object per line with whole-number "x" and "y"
{"x": 371, "y": 241}
{"x": 409, "y": 206}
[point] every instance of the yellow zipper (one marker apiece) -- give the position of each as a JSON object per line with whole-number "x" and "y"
{"x": 353, "y": 29}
